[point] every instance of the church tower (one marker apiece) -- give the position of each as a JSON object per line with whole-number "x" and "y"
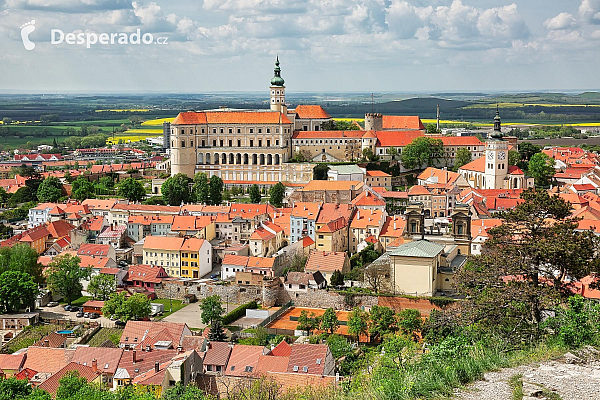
{"x": 278, "y": 90}
{"x": 496, "y": 157}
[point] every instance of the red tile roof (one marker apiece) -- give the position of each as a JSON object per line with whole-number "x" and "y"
{"x": 146, "y": 273}
{"x": 476, "y": 165}
{"x": 231, "y": 117}
{"x": 334, "y": 226}
{"x": 243, "y": 360}
{"x": 147, "y": 330}
{"x": 51, "y": 384}
{"x": 308, "y": 355}
{"x": 54, "y": 340}
{"x": 283, "y": 349}
{"x": 91, "y": 249}
{"x": 396, "y": 138}
{"x": 145, "y": 360}
{"x": 217, "y": 353}
{"x": 232, "y": 259}
{"x": 327, "y": 134}
{"x": 271, "y": 364}
{"x": 377, "y": 173}
{"x": 311, "y": 112}
{"x": 328, "y": 261}
{"x": 331, "y": 212}
{"x": 163, "y": 243}
{"x": 106, "y": 358}
{"x": 48, "y": 359}
{"x": 402, "y": 122}
{"x": 12, "y": 361}
{"x": 460, "y": 140}
{"x": 260, "y": 262}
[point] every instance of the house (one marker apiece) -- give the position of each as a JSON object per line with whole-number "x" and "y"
{"x": 333, "y": 236}
{"x": 93, "y": 306}
{"x": 232, "y": 264}
{"x": 378, "y": 179}
{"x": 303, "y": 220}
{"x": 392, "y": 229}
{"x": 149, "y": 335}
{"x": 47, "y": 360}
{"x": 364, "y": 224}
{"x": 182, "y": 368}
{"x": 369, "y": 200}
{"x": 340, "y": 192}
{"x": 302, "y": 281}
{"x": 98, "y": 207}
{"x": 89, "y": 373}
{"x": 53, "y": 340}
{"x": 202, "y": 227}
{"x": 309, "y": 117}
{"x": 261, "y": 265}
{"x": 164, "y": 252}
{"x": 243, "y": 360}
{"x": 113, "y": 235}
{"x": 11, "y": 364}
{"x": 196, "y": 258}
{"x": 327, "y": 263}
{"x": 266, "y": 239}
{"x": 140, "y": 226}
{"x": 105, "y": 360}
{"x": 136, "y": 362}
{"x": 148, "y": 277}
{"x": 97, "y": 250}
{"x": 59, "y": 246}
{"x": 216, "y": 357}
{"x": 18, "y": 321}
{"x": 312, "y": 359}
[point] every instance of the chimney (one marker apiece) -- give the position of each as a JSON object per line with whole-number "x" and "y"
{"x": 46, "y": 343}
{"x": 179, "y": 349}
{"x": 95, "y": 365}
{"x": 134, "y": 356}
{"x": 156, "y": 366}
{"x": 148, "y": 348}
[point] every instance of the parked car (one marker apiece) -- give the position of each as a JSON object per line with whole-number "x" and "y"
{"x": 52, "y": 304}
{"x": 79, "y": 314}
{"x": 74, "y": 309}
{"x": 67, "y": 308}
{"x": 86, "y": 315}
{"x": 214, "y": 276}
{"x": 120, "y": 323}
{"x": 94, "y": 315}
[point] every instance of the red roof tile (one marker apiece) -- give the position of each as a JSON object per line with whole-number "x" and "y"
{"x": 328, "y": 261}
{"x": 402, "y": 122}
{"x": 243, "y": 360}
{"x": 311, "y": 112}
{"x": 397, "y": 138}
{"x": 311, "y": 356}
{"x": 217, "y": 353}
{"x": 51, "y": 384}
{"x": 231, "y": 117}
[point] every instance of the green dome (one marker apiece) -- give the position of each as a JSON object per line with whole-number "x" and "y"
{"x": 277, "y": 79}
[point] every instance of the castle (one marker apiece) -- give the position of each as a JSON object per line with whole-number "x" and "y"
{"x": 244, "y": 145}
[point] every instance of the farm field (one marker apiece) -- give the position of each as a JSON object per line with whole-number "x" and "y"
{"x": 519, "y": 105}
{"x": 157, "y": 122}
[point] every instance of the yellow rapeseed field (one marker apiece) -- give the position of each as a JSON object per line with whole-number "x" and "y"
{"x": 518, "y": 105}
{"x": 125, "y": 110}
{"x": 157, "y": 122}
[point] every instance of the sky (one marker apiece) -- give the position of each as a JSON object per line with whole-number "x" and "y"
{"x": 323, "y": 45}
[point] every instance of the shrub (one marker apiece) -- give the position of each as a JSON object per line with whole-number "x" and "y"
{"x": 239, "y": 312}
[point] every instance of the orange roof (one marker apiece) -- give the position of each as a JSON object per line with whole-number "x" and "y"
{"x": 147, "y": 331}
{"x": 106, "y": 358}
{"x": 308, "y": 358}
{"x": 311, "y": 112}
{"x": 163, "y": 243}
{"x": 190, "y": 222}
{"x": 283, "y": 349}
{"x": 460, "y": 140}
{"x": 231, "y": 117}
{"x": 306, "y": 210}
{"x": 402, "y": 122}
{"x": 53, "y": 340}
{"x": 271, "y": 363}
{"x": 328, "y": 261}
{"x": 393, "y": 226}
{"x": 479, "y": 227}
{"x": 307, "y": 241}
{"x": 96, "y": 204}
{"x": 334, "y": 226}
{"x": 327, "y": 134}
{"x": 364, "y": 218}
{"x": 377, "y": 173}
{"x": 146, "y": 273}
{"x": 418, "y": 190}
{"x": 396, "y": 138}
{"x": 232, "y": 259}
{"x": 192, "y": 244}
{"x": 331, "y": 212}
{"x": 261, "y": 234}
{"x": 368, "y": 199}
{"x": 48, "y": 359}
{"x": 476, "y": 165}
{"x": 260, "y": 262}
{"x": 59, "y": 228}
{"x": 243, "y": 360}
{"x": 93, "y": 262}
{"x": 443, "y": 176}
{"x": 12, "y": 361}
{"x": 91, "y": 249}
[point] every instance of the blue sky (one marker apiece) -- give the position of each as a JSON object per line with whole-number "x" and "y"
{"x": 324, "y": 45}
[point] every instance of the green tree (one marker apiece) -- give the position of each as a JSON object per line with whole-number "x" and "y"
{"x": 101, "y": 286}
{"x": 308, "y": 322}
{"x": 211, "y": 309}
{"x": 184, "y": 392}
{"x": 64, "y": 276}
{"x": 410, "y": 323}
{"x": 70, "y": 385}
{"x": 422, "y": 151}
{"x": 358, "y": 323}
{"x": 577, "y": 324}
{"x": 155, "y": 201}
{"x": 513, "y": 157}
{"x": 254, "y": 193}
{"x": 132, "y": 190}
{"x": 137, "y": 307}
{"x": 50, "y": 190}
{"x": 337, "y": 279}
{"x": 83, "y": 189}
{"x": 13, "y": 388}
{"x": 368, "y": 155}
{"x": 277, "y": 194}
{"x": 329, "y": 321}
{"x": 432, "y": 128}
{"x": 320, "y": 172}
{"x": 541, "y": 168}
{"x": 21, "y": 258}
{"x": 527, "y": 150}
{"x": 200, "y": 189}
{"x": 463, "y": 157}
{"x": 538, "y": 243}
{"x": 382, "y": 321}
{"x": 217, "y": 333}
{"x": 115, "y": 302}
{"x": 215, "y": 186}
{"x": 17, "y": 291}
{"x": 176, "y": 190}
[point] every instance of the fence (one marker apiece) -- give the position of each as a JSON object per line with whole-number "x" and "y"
{"x": 276, "y": 314}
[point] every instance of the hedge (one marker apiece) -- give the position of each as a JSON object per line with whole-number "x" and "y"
{"x": 239, "y": 312}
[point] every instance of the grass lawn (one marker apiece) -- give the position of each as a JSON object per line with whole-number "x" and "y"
{"x": 177, "y": 305}
{"x": 104, "y": 334}
{"x": 78, "y": 301}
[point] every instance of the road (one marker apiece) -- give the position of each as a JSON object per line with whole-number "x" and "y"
{"x": 58, "y": 312}
{"x": 189, "y": 314}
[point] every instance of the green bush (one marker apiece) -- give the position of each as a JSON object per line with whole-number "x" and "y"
{"x": 578, "y": 324}
{"x": 239, "y": 312}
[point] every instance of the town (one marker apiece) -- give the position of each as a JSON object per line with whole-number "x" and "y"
{"x": 271, "y": 249}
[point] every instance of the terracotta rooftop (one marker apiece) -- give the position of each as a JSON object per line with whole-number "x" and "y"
{"x": 325, "y": 261}
{"x": 217, "y": 353}
{"x": 311, "y": 112}
{"x": 402, "y": 122}
{"x": 90, "y": 249}
{"x": 163, "y": 243}
{"x": 308, "y": 358}
{"x": 51, "y": 384}
{"x": 244, "y": 360}
{"x": 107, "y": 359}
{"x": 230, "y": 117}
{"x": 47, "y": 359}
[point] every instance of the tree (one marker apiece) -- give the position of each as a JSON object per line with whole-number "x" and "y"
{"x": 524, "y": 265}
{"x": 115, "y": 302}
{"x": 358, "y": 323}
{"x": 21, "y": 258}
{"x": 135, "y": 307}
{"x": 432, "y": 128}
{"x": 376, "y": 276}
{"x": 382, "y": 321}
{"x": 82, "y": 189}
{"x": 410, "y": 323}
{"x": 337, "y": 279}
{"x": 368, "y": 155}
{"x": 70, "y": 385}
{"x": 13, "y": 388}
{"x": 176, "y": 190}
{"x": 50, "y": 190}
{"x": 101, "y": 286}
{"x": 541, "y": 168}
{"x": 200, "y": 189}
{"x": 422, "y": 151}
{"x": 329, "y": 321}
{"x": 392, "y": 152}
{"x": 64, "y": 276}
{"x": 17, "y": 291}
{"x": 132, "y": 190}
{"x": 215, "y": 189}
{"x": 216, "y": 333}
{"x": 254, "y": 193}
{"x": 307, "y": 322}
{"x": 463, "y": 157}
{"x": 513, "y": 157}
{"x": 212, "y": 310}
{"x": 277, "y": 194}
{"x": 527, "y": 150}
{"x": 320, "y": 172}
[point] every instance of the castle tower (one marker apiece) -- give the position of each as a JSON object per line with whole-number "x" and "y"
{"x": 461, "y": 227}
{"x": 496, "y": 157}
{"x": 183, "y": 151}
{"x": 278, "y": 90}
{"x": 373, "y": 122}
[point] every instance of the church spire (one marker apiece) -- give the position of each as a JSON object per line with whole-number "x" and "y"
{"x": 497, "y": 124}
{"x": 277, "y": 79}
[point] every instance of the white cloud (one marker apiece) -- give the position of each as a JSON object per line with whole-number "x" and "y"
{"x": 563, "y": 20}
{"x": 68, "y": 6}
{"x": 589, "y": 10}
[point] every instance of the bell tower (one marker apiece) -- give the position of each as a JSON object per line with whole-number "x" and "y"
{"x": 461, "y": 227}
{"x": 496, "y": 157}
{"x": 278, "y": 90}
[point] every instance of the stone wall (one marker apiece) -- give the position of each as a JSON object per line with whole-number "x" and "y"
{"x": 324, "y": 299}
{"x": 236, "y": 294}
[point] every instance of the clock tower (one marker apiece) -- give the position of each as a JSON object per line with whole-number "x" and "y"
{"x": 496, "y": 157}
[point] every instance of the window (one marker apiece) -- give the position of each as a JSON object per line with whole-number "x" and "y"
{"x": 209, "y": 367}
{"x": 232, "y": 368}
{"x": 230, "y": 130}
{"x": 305, "y": 369}
{"x": 248, "y": 368}
{"x": 183, "y": 143}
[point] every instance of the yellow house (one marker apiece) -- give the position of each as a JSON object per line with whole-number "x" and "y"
{"x": 202, "y": 227}
{"x": 196, "y": 256}
{"x": 364, "y": 224}
{"x": 165, "y": 252}
{"x": 333, "y": 236}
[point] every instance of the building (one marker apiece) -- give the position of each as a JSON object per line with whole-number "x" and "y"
{"x": 163, "y": 252}
{"x": 327, "y": 263}
{"x": 364, "y": 224}
{"x": 378, "y": 179}
{"x": 303, "y": 281}
{"x": 196, "y": 258}
{"x": 336, "y": 192}
{"x": 241, "y": 145}
{"x": 303, "y": 220}
{"x": 148, "y": 336}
